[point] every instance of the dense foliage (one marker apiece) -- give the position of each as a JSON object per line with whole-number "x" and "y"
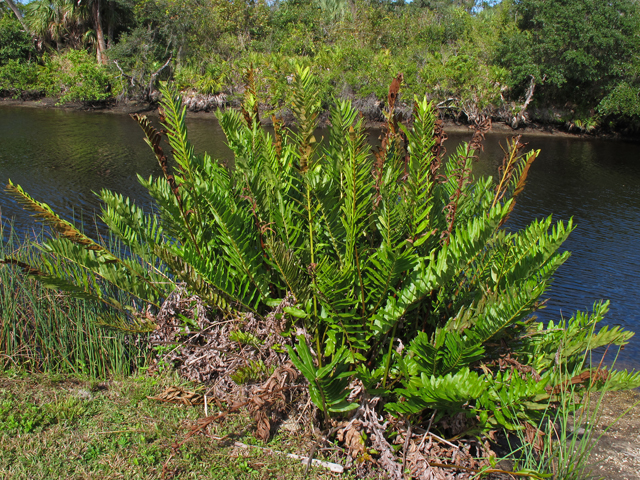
{"x": 475, "y": 59}
{"x": 389, "y": 265}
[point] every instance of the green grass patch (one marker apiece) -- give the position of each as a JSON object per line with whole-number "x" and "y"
{"x": 54, "y": 427}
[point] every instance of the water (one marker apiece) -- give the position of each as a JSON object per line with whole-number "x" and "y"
{"x": 62, "y": 157}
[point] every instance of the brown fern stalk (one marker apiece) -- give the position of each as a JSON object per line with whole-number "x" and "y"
{"x": 481, "y": 127}
{"x": 153, "y": 139}
{"x": 521, "y": 184}
{"x": 26, "y": 268}
{"x": 277, "y": 133}
{"x": 438, "y": 149}
{"x": 462, "y": 177}
{"x": 43, "y": 213}
{"x": 250, "y": 98}
{"x": 389, "y": 134}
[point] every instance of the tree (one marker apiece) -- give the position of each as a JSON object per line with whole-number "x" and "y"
{"x": 17, "y": 13}
{"x": 68, "y": 22}
{"x": 15, "y": 43}
{"x": 576, "y": 47}
{"x": 56, "y": 23}
{"x": 96, "y": 16}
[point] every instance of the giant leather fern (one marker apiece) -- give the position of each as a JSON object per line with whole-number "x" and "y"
{"x": 400, "y": 270}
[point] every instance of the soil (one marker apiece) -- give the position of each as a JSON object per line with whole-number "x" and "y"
{"x": 128, "y": 107}
{"x": 616, "y": 456}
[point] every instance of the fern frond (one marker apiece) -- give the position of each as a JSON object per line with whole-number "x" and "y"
{"x": 450, "y": 391}
{"x": 86, "y": 266}
{"x": 306, "y": 108}
{"x": 198, "y": 284}
{"x": 328, "y": 384}
{"x": 42, "y": 212}
{"x": 291, "y": 270}
{"x": 431, "y": 273}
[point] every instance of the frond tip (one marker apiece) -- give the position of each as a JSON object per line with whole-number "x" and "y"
{"x": 42, "y": 212}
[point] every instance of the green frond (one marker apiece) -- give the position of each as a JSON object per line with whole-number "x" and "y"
{"x": 198, "y": 284}
{"x": 133, "y": 324}
{"x": 306, "y": 108}
{"x": 450, "y": 391}
{"x": 291, "y": 270}
{"x": 42, "y": 212}
{"x": 328, "y": 384}
{"x": 466, "y": 244}
{"x": 173, "y": 114}
{"x": 88, "y": 267}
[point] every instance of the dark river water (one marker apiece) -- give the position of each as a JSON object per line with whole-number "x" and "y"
{"x": 62, "y": 157}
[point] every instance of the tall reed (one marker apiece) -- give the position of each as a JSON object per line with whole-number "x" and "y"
{"x": 42, "y": 330}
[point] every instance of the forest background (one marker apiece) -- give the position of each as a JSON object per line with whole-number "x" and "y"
{"x": 566, "y": 63}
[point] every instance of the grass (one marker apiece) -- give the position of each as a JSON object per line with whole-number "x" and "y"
{"x": 42, "y": 330}
{"x": 567, "y": 433}
{"x": 54, "y": 427}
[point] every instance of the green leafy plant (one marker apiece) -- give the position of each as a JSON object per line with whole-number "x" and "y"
{"x": 82, "y": 78}
{"x": 254, "y": 370}
{"x": 327, "y": 384}
{"x": 399, "y": 267}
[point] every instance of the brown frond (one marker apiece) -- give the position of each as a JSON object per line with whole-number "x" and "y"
{"x": 508, "y": 167}
{"x": 481, "y": 127}
{"x": 153, "y": 139}
{"x": 463, "y": 176}
{"x": 26, "y": 268}
{"x": 394, "y": 91}
{"x": 277, "y": 132}
{"x": 438, "y": 149}
{"x": 522, "y": 180}
{"x": 390, "y": 134}
{"x": 250, "y": 99}
{"x": 595, "y": 375}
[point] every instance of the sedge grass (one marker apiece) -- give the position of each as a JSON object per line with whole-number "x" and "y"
{"x": 566, "y": 434}
{"x": 42, "y": 330}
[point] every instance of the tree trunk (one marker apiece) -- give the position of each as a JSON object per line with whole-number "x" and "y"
{"x": 18, "y": 13}
{"x": 110, "y": 26}
{"x": 97, "y": 21}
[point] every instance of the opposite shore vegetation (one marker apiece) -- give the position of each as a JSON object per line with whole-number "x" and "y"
{"x": 572, "y": 65}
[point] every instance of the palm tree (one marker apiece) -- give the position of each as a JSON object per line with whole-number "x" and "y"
{"x": 67, "y": 22}
{"x": 55, "y": 22}
{"x": 96, "y": 16}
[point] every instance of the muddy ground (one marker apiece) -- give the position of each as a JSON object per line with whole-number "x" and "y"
{"x": 125, "y": 108}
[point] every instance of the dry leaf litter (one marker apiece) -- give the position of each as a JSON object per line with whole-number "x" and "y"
{"x": 275, "y": 394}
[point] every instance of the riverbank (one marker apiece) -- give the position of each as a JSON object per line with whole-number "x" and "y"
{"x": 151, "y": 109}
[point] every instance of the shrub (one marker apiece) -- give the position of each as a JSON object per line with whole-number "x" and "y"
{"x": 17, "y": 77}
{"x": 81, "y": 78}
{"x": 622, "y": 101}
{"x": 400, "y": 269}
{"x": 15, "y": 43}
